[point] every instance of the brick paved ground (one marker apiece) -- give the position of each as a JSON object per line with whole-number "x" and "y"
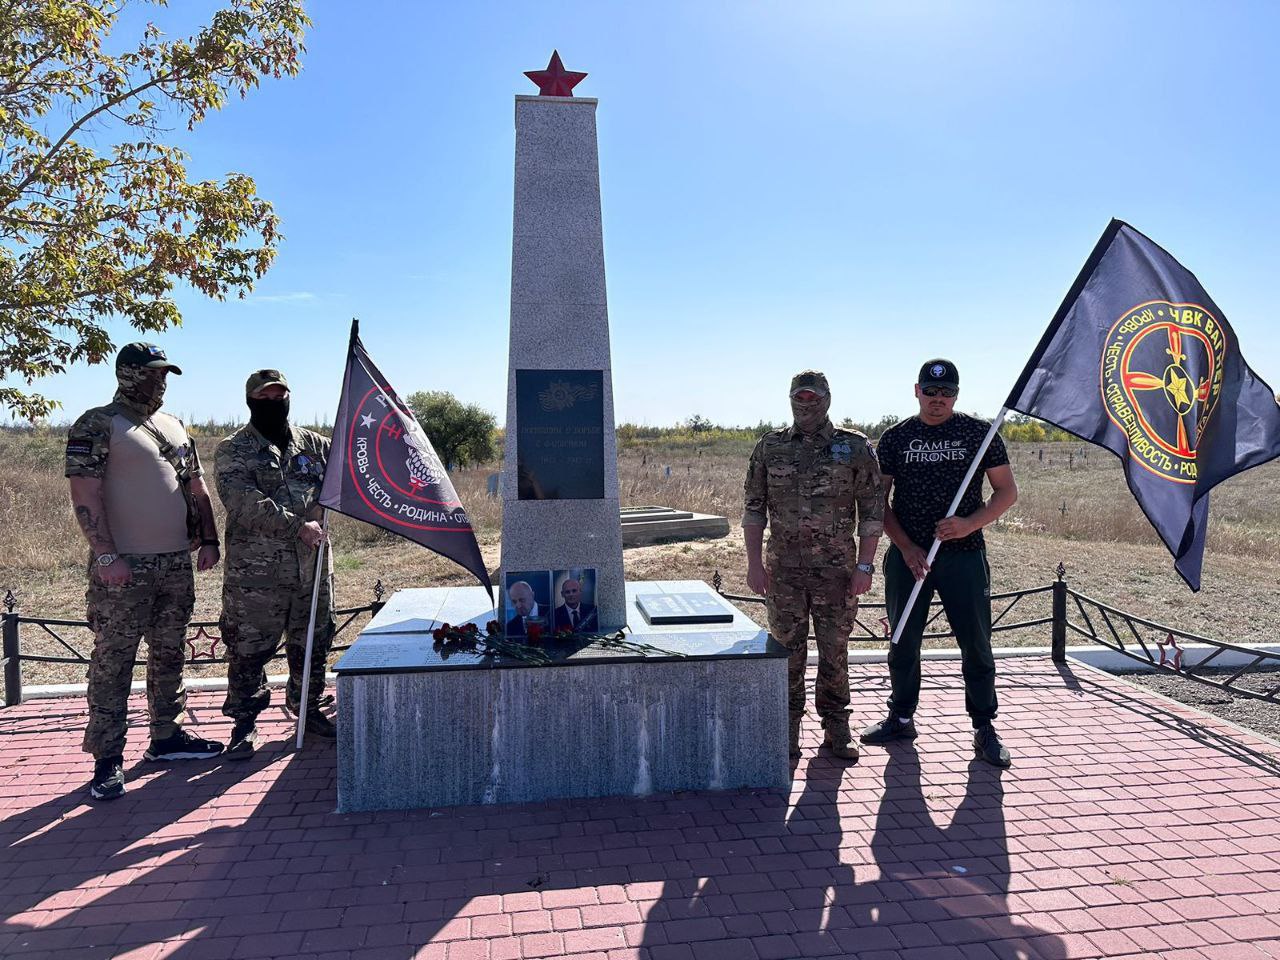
{"x": 1128, "y": 827}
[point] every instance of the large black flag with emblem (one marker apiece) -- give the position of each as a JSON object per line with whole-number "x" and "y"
{"x": 383, "y": 470}
{"x": 1140, "y": 360}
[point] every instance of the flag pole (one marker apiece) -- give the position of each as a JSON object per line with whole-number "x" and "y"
{"x": 311, "y": 632}
{"x": 955, "y": 505}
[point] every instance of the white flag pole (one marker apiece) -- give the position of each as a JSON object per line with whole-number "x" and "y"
{"x": 955, "y": 505}
{"x": 311, "y": 632}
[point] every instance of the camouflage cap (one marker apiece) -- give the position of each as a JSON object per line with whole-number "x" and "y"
{"x": 263, "y": 378}
{"x": 810, "y": 380}
{"x": 144, "y": 355}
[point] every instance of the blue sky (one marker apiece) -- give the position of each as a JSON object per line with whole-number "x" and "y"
{"x": 852, "y": 186}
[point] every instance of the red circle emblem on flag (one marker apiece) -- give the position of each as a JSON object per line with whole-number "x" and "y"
{"x": 1161, "y": 378}
{"x": 395, "y": 469}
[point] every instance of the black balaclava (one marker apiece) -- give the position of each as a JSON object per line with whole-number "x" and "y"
{"x": 140, "y": 388}
{"x": 810, "y": 417}
{"x": 271, "y": 418}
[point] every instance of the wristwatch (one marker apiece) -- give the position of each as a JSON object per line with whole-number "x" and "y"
{"x": 106, "y": 559}
{"x": 867, "y": 568}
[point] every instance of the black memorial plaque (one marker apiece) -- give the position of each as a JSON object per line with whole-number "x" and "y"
{"x": 671, "y": 608}
{"x": 560, "y": 434}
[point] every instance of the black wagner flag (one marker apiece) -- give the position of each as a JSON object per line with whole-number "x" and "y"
{"x": 1140, "y": 360}
{"x": 383, "y": 470}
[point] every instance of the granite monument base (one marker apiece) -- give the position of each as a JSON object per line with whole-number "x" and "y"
{"x": 704, "y": 709}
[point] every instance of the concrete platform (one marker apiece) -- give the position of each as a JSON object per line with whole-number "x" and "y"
{"x": 642, "y": 526}
{"x": 1129, "y": 827}
{"x": 698, "y": 707}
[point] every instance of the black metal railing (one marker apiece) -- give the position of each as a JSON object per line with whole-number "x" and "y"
{"x": 1163, "y": 647}
{"x": 1126, "y": 633}
{"x": 202, "y": 642}
{"x": 865, "y": 632}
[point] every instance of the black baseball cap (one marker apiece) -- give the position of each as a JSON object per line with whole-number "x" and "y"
{"x": 144, "y": 355}
{"x": 939, "y": 373}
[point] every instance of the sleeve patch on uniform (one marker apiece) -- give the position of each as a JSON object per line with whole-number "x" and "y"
{"x": 79, "y": 447}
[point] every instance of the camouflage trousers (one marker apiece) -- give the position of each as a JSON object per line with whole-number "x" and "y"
{"x": 794, "y": 596}
{"x": 253, "y": 620}
{"x": 156, "y": 604}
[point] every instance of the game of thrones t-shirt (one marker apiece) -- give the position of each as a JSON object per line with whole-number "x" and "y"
{"x": 927, "y": 465}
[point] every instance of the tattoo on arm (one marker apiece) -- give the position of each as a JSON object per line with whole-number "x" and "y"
{"x": 86, "y": 497}
{"x": 94, "y": 528}
{"x": 208, "y": 525}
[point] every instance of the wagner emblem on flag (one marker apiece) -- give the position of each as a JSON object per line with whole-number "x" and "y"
{"x": 396, "y": 472}
{"x": 1162, "y": 367}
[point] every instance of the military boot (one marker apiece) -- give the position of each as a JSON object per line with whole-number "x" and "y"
{"x": 840, "y": 740}
{"x": 795, "y": 738}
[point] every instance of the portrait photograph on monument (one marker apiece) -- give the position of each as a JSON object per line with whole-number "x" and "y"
{"x": 528, "y": 601}
{"x": 574, "y": 592}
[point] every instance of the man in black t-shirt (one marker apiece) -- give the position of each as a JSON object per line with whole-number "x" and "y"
{"x": 924, "y": 460}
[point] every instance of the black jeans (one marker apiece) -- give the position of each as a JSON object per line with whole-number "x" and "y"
{"x": 962, "y": 581}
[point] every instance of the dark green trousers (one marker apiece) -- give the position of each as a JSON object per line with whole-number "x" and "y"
{"x": 962, "y": 580}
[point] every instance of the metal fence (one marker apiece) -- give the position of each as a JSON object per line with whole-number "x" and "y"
{"x": 202, "y": 641}
{"x": 1141, "y": 640}
{"x": 1070, "y": 613}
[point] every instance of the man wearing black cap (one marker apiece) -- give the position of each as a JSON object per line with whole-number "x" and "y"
{"x": 141, "y": 502}
{"x": 924, "y": 460}
{"x": 818, "y": 489}
{"x": 269, "y": 474}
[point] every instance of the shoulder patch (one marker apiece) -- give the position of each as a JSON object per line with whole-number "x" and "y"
{"x": 79, "y": 448}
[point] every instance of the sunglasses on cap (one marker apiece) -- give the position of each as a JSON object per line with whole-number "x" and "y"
{"x": 947, "y": 392}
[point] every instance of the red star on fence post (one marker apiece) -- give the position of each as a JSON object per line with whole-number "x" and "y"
{"x": 555, "y": 81}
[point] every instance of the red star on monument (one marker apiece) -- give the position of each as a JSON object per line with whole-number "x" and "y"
{"x": 555, "y": 81}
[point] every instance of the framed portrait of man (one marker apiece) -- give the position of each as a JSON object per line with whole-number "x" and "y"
{"x": 528, "y": 601}
{"x": 574, "y": 595}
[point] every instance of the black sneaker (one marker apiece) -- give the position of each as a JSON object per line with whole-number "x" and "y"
{"x": 987, "y": 745}
{"x": 108, "y": 778}
{"x": 889, "y": 729}
{"x": 182, "y": 746}
{"x": 320, "y": 726}
{"x": 244, "y": 740}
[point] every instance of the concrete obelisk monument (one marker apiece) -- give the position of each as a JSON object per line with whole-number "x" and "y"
{"x": 560, "y": 477}
{"x": 698, "y": 697}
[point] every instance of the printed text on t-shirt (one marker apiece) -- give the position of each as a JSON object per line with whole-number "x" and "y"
{"x": 922, "y": 451}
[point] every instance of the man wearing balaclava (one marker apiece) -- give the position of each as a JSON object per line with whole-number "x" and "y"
{"x": 818, "y": 489}
{"x": 141, "y": 502}
{"x": 269, "y": 474}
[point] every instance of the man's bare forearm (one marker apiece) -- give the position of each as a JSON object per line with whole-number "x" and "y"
{"x": 867, "y": 548}
{"x": 208, "y": 525}
{"x": 86, "y": 498}
{"x": 893, "y": 530}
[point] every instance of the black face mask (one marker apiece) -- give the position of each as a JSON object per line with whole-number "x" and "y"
{"x": 271, "y": 419}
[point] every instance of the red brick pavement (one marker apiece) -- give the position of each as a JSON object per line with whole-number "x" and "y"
{"x": 1128, "y": 827}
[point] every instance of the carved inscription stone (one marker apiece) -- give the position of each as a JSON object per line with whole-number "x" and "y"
{"x": 560, "y": 434}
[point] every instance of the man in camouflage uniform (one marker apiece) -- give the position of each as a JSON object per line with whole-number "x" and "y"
{"x": 815, "y": 485}
{"x": 269, "y": 475}
{"x": 141, "y": 502}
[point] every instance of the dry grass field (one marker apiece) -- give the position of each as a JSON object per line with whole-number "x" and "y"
{"x": 1074, "y": 508}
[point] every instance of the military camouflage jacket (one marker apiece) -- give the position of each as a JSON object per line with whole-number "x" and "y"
{"x": 268, "y": 497}
{"x": 816, "y": 494}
